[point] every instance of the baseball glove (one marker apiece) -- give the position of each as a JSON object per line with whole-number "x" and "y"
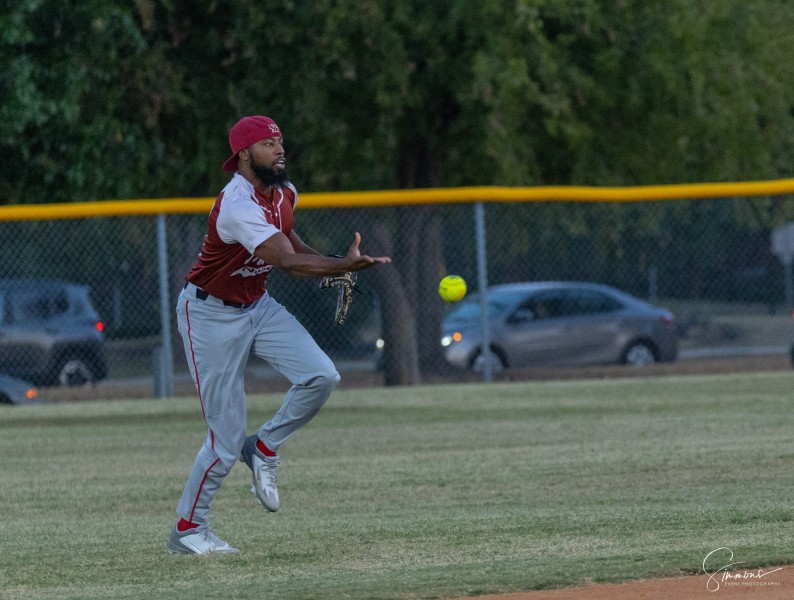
{"x": 345, "y": 285}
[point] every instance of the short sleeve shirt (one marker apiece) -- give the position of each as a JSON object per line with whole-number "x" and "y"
{"x": 240, "y": 220}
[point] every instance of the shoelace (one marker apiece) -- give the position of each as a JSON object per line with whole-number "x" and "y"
{"x": 269, "y": 469}
{"x": 209, "y": 536}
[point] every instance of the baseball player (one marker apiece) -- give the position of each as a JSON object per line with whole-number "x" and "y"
{"x": 224, "y": 313}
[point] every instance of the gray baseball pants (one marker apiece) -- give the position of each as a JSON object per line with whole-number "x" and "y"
{"x": 218, "y": 340}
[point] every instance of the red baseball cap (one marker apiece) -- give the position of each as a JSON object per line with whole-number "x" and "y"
{"x": 246, "y": 132}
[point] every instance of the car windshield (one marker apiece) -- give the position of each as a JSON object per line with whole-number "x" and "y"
{"x": 498, "y": 303}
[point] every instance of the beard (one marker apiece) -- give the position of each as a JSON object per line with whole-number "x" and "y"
{"x": 269, "y": 176}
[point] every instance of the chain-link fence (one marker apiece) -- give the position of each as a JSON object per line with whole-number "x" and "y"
{"x": 709, "y": 261}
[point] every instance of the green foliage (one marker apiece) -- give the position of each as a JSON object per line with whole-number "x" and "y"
{"x": 93, "y": 106}
{"x": 115, "y": 99}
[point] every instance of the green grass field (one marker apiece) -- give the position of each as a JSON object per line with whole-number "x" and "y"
{"x": 429, "y": 492}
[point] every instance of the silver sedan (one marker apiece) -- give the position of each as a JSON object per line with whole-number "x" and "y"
{"x": 559, "y": 324}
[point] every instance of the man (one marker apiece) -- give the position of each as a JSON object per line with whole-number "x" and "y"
{"x": 224, "y": 313}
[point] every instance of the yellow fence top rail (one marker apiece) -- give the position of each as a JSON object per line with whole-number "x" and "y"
{"x": 116, "y": 208}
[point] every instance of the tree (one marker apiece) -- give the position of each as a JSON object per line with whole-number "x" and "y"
{"x": 117, "y": 99}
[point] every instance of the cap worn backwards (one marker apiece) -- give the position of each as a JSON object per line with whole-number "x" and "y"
{"x": 246, "y": 132}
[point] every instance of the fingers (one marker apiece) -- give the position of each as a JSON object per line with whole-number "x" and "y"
{"x": 364, "y": 261}
{"x": 356, "y": 241}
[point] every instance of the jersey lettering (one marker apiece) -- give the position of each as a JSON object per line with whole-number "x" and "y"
{"x": 230, "y": 271}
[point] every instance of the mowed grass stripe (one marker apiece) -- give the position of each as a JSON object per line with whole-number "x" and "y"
{"x": 434, "y": 491}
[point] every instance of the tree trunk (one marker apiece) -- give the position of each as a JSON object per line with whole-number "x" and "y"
{"x": 400, "y": 356}
{"x": 430, "y": 308}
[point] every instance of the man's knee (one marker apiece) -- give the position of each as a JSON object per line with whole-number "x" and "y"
{"x": 321, "y": 383}
{"x": 226, "y": 445}
{"x": 327, "y": 379}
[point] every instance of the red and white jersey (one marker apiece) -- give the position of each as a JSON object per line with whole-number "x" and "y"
{"x": 240, "y": 220}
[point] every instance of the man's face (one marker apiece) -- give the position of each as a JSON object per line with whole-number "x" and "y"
{"x": 267, "y": 160}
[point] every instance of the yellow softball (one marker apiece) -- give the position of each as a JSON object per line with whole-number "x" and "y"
{"x": 452, "y": 288}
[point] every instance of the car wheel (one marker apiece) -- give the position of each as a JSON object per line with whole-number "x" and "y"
{"x": 497, "y": 362}
{"x": 639, "y": 354}
{"x": 74, "y": 371}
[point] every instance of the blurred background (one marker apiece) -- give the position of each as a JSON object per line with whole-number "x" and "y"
{"x": 112, "y": 100}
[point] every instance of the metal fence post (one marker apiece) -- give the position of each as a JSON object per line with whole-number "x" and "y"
{"x": 482, "y": 287}
{"x": 164, "y": 376}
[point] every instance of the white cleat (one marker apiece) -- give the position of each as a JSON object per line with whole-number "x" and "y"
{"x": 197, "y": 541}
{"x": 265, "y": 485}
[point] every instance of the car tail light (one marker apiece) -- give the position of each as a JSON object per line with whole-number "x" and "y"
{"x": 31, "y": 393}
{"x": 100, "y": 326}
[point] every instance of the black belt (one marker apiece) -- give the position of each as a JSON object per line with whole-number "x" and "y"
{"x": 202, "y": 295}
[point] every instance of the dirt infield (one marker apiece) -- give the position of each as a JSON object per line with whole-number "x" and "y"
{"x": 759, "y": 584}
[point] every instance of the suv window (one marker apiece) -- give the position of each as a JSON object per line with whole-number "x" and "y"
{"x": 60, "y": 304}
{"x": 28, "y": 307}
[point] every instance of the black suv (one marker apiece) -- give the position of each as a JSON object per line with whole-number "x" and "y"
{"x": 50, "y": 333}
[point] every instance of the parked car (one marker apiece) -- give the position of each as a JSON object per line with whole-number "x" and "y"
{"x": 559, "y": 324}
{"x": 50, "y": 333}
{"x": 17, "y": 391}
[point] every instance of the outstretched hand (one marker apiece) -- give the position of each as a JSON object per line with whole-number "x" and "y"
{"x": 358, "y": 261}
